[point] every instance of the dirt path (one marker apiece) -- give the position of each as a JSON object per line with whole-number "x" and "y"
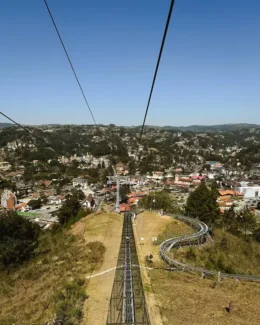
{"x": 106, "y": 228}
{"x": 148, "y": 225}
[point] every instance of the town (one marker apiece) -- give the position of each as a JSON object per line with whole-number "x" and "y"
{"x": 181, "y": 209}
{"x": 35, "y": 179}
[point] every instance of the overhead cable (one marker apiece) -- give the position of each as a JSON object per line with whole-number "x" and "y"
{"x": 74, "y": 72}
{"x": 157, "y": 66}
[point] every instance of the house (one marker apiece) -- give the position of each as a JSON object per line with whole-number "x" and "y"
{"x": 4, "y": 165}
{"x": 45, "y": 183}
{"x": 136, "y": 194}
{"x": 182, "y": 181}
{"x": 124, "y": 207}
{"x": 89, "y": 202}
{"x": 80, "y": 182}
{"x": 22, "y": 207}
{"x": 59, "y": 199}
{"x": 133, "y": 200}
{"x": 8, "y": 200}
{"x": 120, "y": 168}
{"x": 214, "y": 165}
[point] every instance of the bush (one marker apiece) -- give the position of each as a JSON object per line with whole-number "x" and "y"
{"x": 191, "y": 254}
{"x": 18, "y": 239}
{"x": 69, "y": 302}
{"x": 257, "y": 235}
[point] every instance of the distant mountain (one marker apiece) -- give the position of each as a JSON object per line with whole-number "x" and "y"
{"x": 5, "y": 125}
{"x": 212, "y": 128}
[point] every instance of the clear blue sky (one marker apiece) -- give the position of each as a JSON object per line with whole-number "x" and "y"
{"x": 209, "y": 73}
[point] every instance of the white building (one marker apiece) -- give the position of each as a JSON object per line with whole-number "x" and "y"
{"x": 81, "y": 182}
{"x": 249, "y": 191}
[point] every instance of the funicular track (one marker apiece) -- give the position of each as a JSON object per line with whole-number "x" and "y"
{"x": 127, "y": 302}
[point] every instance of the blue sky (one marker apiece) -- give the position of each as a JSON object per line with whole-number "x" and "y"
{"x": 209, "y": 72}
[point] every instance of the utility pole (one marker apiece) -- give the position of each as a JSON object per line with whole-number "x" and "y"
{"x": 117, "y": 190}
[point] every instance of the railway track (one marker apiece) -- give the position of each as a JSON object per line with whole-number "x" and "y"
{"x": 199, "y": 237}
{"x": 127, "y": 303}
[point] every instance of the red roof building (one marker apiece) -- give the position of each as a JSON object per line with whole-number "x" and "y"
{"x": 124, "y": 207}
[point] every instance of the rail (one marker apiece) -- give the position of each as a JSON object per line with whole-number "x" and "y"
{"x": 194, "y": 239}
{"x": 127, "y": 303}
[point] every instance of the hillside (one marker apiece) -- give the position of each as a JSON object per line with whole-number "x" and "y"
{"x": 183, "y": 298}
{"x": 207, "y": 128}
{"x": 229, "y": 253}
{"x": 53, "y": 282}
{"x": 5, "y": 125}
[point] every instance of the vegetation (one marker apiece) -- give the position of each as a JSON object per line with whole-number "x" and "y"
{"x": 202, "y": 204}
{"x": 51, "y": 283}
{"x": 35, "y": 204}
{"x": 18, "y": 239}
{"x": 229, "y": 253}
{"x": 71, "y": 208}
{"x": 243, "y": 221}
{"x": 69, "y": 302}
{"x": 159, "y": 201}
{"x": 174, "y": 229}
{"x": 205, "y": 300}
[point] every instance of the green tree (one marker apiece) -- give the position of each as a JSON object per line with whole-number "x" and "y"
{"x": 202, "y": 205}
{"x": 257, "y": 234}
{"x": 247, "y": 221}
{"x": 18, "y": 239}
{"x": 229, "y": 220}
{"x": 70, "y": 207}
{"x": 160, "y": 200}
{"x": 35, "y": 204}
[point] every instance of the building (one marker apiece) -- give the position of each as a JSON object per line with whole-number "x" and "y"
{"x": 214, "y": 165}
{"x": 53, "y": 199}
{"x": 249, "y": 191}
{"x": 4, "y": 165}
{"x": 22, "y": 207}
{"x": 8, "y": 200}
{"x": 80, "y": 182}
{"x": 124, "y": 207}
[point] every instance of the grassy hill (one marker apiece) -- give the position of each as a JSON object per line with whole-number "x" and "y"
{"x": 229, "y": 253}
{"x": 185, "y": 298}
{"x": 51, "y": 283}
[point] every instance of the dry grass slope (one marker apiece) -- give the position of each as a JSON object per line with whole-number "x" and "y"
{"x": 27, "y": 295}
{"x": 184, "y": 298}
{"x": 228, "y": 253}
{"x": 187, "y": 299}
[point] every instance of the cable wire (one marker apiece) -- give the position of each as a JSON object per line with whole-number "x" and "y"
{"x": 74, "y": 72}
{"x": 27, "y": 130}
{"x": 157, "y": 66}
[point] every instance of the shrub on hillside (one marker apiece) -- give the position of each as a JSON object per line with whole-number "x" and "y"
{"x": 18, "y": 239}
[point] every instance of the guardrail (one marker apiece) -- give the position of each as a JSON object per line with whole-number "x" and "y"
{"x": 197, "y": 238}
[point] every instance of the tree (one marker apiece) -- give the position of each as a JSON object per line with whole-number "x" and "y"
{"x": 257, "y": 234}
{"x": 123, "y": 191}
{"x": 202, "y": 204}
{"x": 70, "y": 207}
{"x": 247, "y": 221}
{"x": 160, "y": 200}
{"x": 35, "y": 204}
{"x": 132, "y": 167}
{"x": 18, "y": 239}
{"x": 229, "y": 220}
